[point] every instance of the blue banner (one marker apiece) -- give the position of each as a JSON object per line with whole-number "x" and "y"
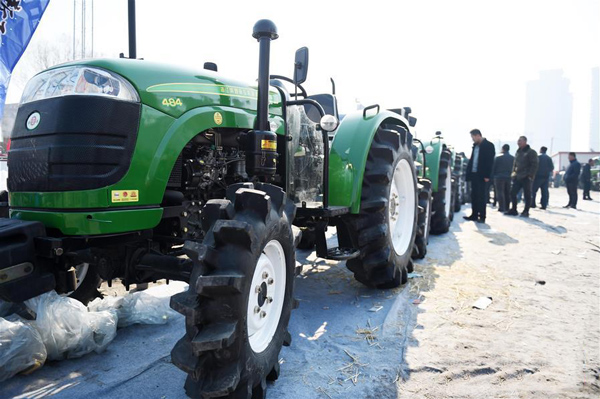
{"x": 18, "y": 21}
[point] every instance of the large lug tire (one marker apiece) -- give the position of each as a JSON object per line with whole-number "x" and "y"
{"x": 423, "y": 221}
{"x": 385, "y": 228}
{"x": 456, "y": 202}
{"x": 442, "y": 209}
{"x": 239, "y": 302}
{"x": 308, "y": 239}
{"x": 88, "y": 282}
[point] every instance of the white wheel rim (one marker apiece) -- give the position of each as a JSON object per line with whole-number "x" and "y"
{"x": 448, "y": 196}
{"x": 267, "y": 295}
{"x": 402, "y": 207}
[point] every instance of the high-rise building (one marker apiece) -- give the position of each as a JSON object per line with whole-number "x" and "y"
{"x": 595, "y": 111}
{"x": 549, "y": 112}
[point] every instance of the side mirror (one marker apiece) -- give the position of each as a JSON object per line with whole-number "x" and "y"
{"x": 412, "y": 121}
{"x": 301, "y": 65}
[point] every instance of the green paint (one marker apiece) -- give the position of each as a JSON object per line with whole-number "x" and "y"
{"x": 348, "y": 156}
{"x": 156, "y": 82}
{"x": 92, "y": 223}
{"x": 432, "y": 160}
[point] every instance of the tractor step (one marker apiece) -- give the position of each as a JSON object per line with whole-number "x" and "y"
{"x": 342, "y": 253}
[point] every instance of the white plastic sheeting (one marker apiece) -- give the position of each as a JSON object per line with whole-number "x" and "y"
{"x": 68, "y": 329}
{"x": 21, "y": 348}
{"x": 65, "y": 328}
{"x": 135, "y": 308}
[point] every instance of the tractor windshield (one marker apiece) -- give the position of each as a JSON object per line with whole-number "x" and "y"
{"x": 307, "y": 156}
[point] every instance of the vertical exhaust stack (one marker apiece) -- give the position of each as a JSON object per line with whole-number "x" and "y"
{"x": 264, "y": 31}
{"x": 132, "y": 39}
{"x": 261, "y": 143}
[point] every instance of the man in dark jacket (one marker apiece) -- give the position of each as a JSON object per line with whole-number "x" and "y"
{"x": 586, "y": 179}
{"x": 501, "y": 171}
{"x": 524, "y": 170}
{"x": 542, "y": 177}
{"x": 479, "y": 172}
{"x": 571, "y": 179}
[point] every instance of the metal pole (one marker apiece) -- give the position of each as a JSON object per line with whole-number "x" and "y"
{"x": 74, "y": 13}
{"x": 92, "y": 28}
{"x": 132, "y": 41}
{"x": 263, "y": 83}
{"x": 82, "y": 28}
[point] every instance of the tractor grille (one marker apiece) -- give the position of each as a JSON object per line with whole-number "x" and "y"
{"x": 81, "y": 143}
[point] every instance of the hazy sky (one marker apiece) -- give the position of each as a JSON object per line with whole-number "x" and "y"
{"x": 459, "y": 64}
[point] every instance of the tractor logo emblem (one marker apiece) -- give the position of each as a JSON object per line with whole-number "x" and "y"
{"x": 218, "y": 118}
{"x": 33, "y": 121}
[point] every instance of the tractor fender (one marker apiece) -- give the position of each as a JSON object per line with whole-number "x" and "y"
{"x": 348, "y": 155}
{"x": 432, "y": 160}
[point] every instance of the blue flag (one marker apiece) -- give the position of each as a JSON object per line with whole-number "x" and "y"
{"x": 18, "y": 21}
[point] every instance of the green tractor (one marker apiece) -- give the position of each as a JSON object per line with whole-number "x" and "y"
{"x": 123, "y": 168}
{"x": 438, "y": 158}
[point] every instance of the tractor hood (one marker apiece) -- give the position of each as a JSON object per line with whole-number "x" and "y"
{"x": 175, "y": 90}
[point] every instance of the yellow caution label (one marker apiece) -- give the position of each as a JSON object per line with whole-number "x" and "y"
{"x": 268, "y": 145}
{"x": 218, "y": 118}
{"x": 124, "y": 196}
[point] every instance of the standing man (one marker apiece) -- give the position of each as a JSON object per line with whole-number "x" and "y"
{"x": 479, "y": 172}
{"x": 524, "y": 170}
{"x": 586, "y": 179}
{"x": 501, "y": 171}
{"x": 571, "y": 179}
{"x": 542, "y": 177}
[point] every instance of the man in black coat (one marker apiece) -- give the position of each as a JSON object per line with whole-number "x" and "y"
{"x": 479, "y": 172}
{"x": 542, "y": 177}
{"x": 524, "y": 170}
{"x": 501, "y": 171}
{"x": 571, "y": 179}
{"x": 586, "y": 179}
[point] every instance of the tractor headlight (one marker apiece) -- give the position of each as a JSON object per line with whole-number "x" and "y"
{"x": 429, "y": 149}
{"x": 329, "y": 123}
{"x": 78, "y": 80}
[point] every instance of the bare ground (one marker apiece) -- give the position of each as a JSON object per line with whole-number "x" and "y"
{"x": 538, "y": 339}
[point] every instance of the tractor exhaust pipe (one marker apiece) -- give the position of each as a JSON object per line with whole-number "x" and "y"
{"x": 132, "y": 41}
{"x": 264, "y": 31}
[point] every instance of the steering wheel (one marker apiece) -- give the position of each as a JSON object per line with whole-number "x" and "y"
{"x": 280, "y": 77}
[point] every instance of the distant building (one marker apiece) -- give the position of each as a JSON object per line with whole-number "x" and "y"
{"x": 561, "y": 159}
{"x": 549, "y": 112}
{"x": 595, "y": 111}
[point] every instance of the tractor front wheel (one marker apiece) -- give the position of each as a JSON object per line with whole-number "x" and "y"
{"x": 424, "y": 220}
{"x": 239, "y": 301}
{"x": 442, "y": 208}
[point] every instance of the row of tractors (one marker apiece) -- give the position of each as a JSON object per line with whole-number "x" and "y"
{"x": 132, "y": 170}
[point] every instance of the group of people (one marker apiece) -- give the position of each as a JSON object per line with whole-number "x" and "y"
{"x": 526, "y": 172}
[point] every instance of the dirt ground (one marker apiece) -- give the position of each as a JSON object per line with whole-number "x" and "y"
{"x": 539, "y": 338}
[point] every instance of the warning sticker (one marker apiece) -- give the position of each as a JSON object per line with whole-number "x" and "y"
{"x": 124, "y": 196}
{"x": 268, "y": 145}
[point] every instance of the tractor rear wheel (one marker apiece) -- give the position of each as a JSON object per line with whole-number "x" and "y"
{"x": 308, "y": 239}
{"x": 239, "y": 301}
{"x": 442, "y": 210}
{"x": 385, "y": 228}
{"x": 88, "y": 282}
{"x": 423, "y": 221}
